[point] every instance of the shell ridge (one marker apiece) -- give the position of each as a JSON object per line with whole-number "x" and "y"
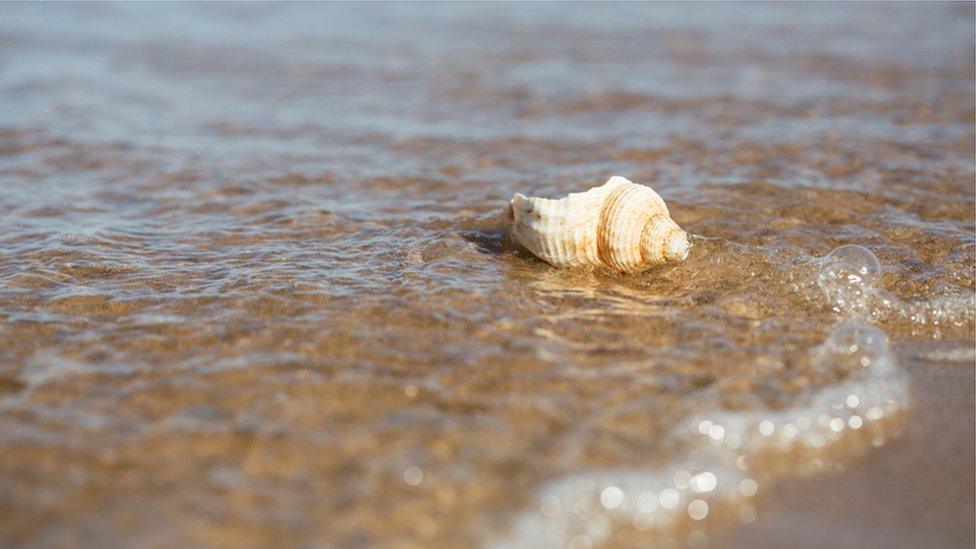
{"x": 620, "y": 225}
{"x": 606, "y": 229}
{"x": 645, "y": 234}
{"x": 652, "y": 230}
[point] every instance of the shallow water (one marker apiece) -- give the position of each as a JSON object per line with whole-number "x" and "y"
{"x": 257, "y": 285}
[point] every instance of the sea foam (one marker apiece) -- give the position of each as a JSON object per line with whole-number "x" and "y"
{"x": 849, "y": 278}
{"x": 730, "y": 456}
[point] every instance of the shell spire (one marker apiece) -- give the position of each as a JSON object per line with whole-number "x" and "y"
{"x": 619, "y": 225}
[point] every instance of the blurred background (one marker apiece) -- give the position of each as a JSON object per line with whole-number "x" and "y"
{"x": 257, "y": 286}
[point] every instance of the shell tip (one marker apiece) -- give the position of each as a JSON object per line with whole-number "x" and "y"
{"x": 616, "y": 180}
{"x": 516, "y": 203}
{"x": 517, "y": 200}
{"x": 678, "y": 246}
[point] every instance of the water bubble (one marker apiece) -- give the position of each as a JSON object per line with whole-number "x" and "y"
{"x": 611, "y": 497}
{"x": 413, "y": 475}
{"x": 851, "y": 347}
{"x": 846, "y": 279}
{"x": 698, "y": 509}
{"x": 549, "y": 505}
{"x": 669, "y": 498}
{"x": 704, "y": 482}
{"x": 748, "y": 487}
{"x": 860, "y": 260}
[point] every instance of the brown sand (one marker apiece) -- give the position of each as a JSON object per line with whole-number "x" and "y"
{"x": 256, "y": 286}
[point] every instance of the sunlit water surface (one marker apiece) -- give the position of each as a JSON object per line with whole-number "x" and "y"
{"x": 257, "y": 286}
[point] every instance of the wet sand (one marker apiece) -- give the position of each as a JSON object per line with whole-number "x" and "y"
{"x": 915, "y": 493}
{"x": 258, "y": 287}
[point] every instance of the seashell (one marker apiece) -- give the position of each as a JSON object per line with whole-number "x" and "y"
{"x": 619, "y": 225}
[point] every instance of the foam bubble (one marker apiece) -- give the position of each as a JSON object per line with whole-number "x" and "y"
{"x": 729, "y": 453}
{"x": 848, "y": 279}
{"x": 860, "y": 261}
{"x": 715, "y": 471}
{"x": 959, "y": 354}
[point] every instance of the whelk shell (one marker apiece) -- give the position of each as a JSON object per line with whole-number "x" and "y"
{"x": 619, "y": 225}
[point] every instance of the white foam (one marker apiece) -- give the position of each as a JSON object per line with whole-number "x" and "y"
{"x": 959, "y": 354}
{"x": 864, "y": 386}
{"x": 717, "y": 469}
{"x": 849, "y": 279}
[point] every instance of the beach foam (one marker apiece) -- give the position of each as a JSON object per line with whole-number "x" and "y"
{"x": 730, "y": 455}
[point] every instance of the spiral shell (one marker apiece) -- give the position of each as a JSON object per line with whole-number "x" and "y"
{"x": 619, "y": 225}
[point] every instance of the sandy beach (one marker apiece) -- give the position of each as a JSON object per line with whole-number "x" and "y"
{"x": 258, "y": 283}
